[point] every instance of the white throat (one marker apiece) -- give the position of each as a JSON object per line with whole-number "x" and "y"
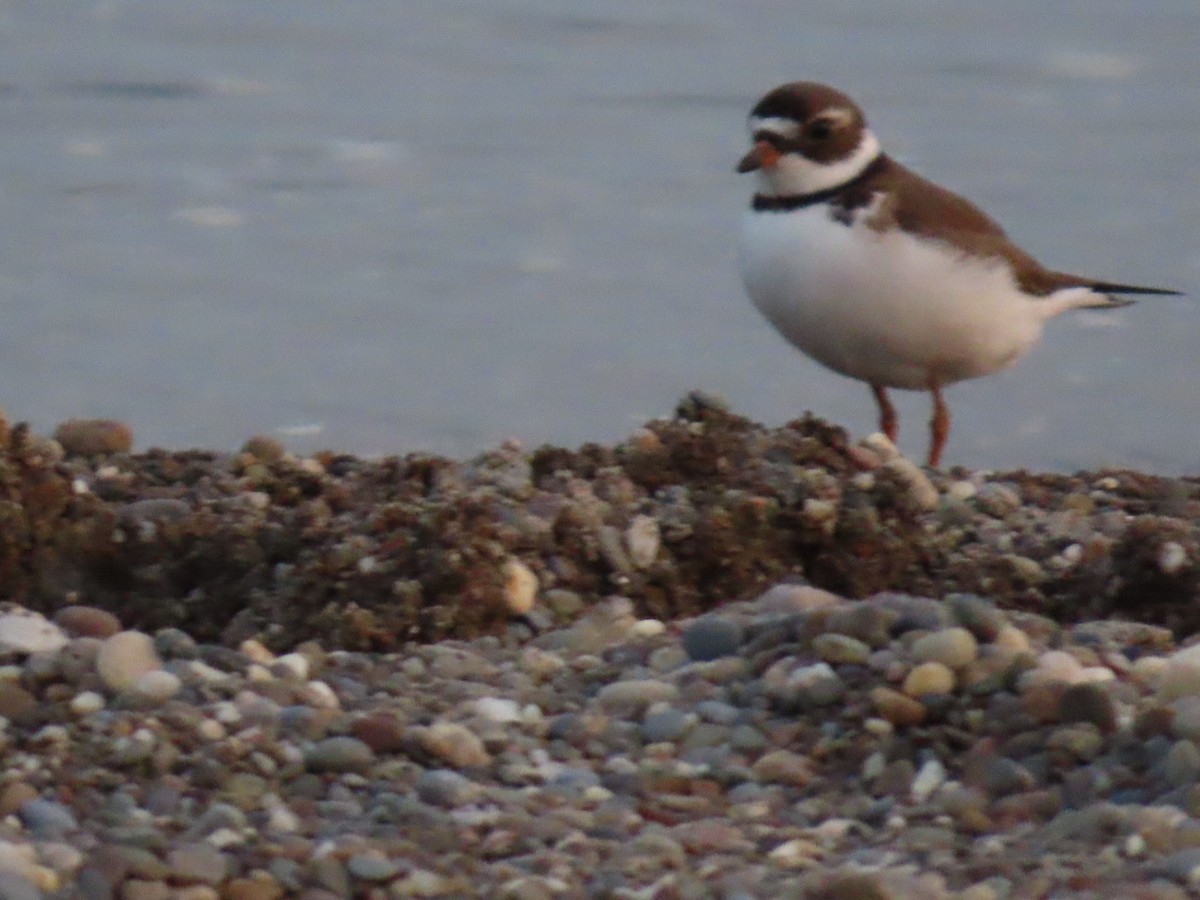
{"x": 794, "y": 174}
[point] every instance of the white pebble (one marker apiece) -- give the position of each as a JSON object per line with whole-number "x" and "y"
{"x": 87, "y": 703}
{"x": 642, "y": 540}
{"x": 931, "y": 776}
{"x": 647, "y": 628}
{"x": 319, "y": 695}
{"x": 1171, "y": 558}
{"x": 879, "y": 444}
{"x": 157, "y": 685}
{"x": 497, "y": 709}
{"x": 924, "y": 495}
{"x": 296, "y": 664}
{"x": 29, "y": 632}
{"x": 124, "y": 658}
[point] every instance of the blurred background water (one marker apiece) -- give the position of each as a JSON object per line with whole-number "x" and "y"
{"x": 384, "y": 227}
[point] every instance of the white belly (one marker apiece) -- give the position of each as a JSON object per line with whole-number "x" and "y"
{"x": 884, "y": 307}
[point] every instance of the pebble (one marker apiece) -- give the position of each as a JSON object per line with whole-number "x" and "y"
{"x": 929, "y": 678}
{"x": 29, "y": 632}
{"x": 47, "y": 818}
{"x": 87, "y": 621}
{"x": 124, "y": 658}
{"x": 520, "y": 587}
{"x": 94, "y": 437}
{"x": 952, "y": 647}
{"x": 339, "y": 754}
{"x": 921, "y": 491}
{"x": 840, "y": 649}
{"x": 157, "y": 686}
{"x": 897, "y": 708}
{"x": 631, "y": 697}
{"x": 455, "y": 745}
{"x": 711, "y": 637}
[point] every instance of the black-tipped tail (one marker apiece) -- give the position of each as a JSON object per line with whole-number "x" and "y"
{"x": 1107, "y": 287}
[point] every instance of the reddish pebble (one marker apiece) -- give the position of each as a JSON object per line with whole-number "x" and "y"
{"x": 87, "y": 621}
{"x": 381, "y": 732}
{"x": 94, "y": 437}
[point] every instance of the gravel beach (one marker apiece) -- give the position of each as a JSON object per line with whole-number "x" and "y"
{"x": 714, "y": 660}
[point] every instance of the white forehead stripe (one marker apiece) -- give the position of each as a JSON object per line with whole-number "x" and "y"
{"x": 788, "y": 129}
{"x": 837, "y": 116}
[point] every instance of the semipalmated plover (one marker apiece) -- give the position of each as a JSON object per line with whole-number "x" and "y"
{"x": 879, "y": 274}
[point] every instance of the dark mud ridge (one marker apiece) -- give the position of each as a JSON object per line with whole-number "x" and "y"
{"x": 687, "y": 514}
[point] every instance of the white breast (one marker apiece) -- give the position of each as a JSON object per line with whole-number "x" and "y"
{"x": 884, "y": 307}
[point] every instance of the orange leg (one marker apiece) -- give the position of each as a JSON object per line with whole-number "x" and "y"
{"x": 939, "y": 425}
{"x": 888, "y": 423}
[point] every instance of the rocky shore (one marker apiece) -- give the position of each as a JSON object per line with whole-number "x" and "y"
{"x": 714, "y": 660}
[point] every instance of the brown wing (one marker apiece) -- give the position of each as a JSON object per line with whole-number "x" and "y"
{"x": 918, "y": 205}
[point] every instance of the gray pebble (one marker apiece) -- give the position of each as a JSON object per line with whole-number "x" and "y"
{"x": 368, "y": 867}
{"x": 1182, "y": 765}
{"x": 712, "y": 637}
{"x": 666, "y": 725}
{"x": 14, "y": 887}
{"x": 46, "y": 818}
{"x": 339, "y": 754}
{"x": 445, "y": 788}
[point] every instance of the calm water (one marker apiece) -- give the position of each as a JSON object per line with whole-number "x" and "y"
{"x": 391, "y": 226}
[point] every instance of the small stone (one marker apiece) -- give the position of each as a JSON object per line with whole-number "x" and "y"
{"x": 157, "y": 686}
{"x": 382, "y": 732}
{"x": 1088, "y": 702}
{"x": 520, "y": 587}
{"x": 259, "y": 886}
{"x": 1182, "y": 866}
{"x": 372, "y": 868}
{"x": 783, "y": 767}
{"x": 15, "y": 702}
{"x": 497, "y": 709}
{"x": 667, "y": 724}
{"x": 881, "y": 445}
{"x": 631, "y": 697}
{"x": 1011, "y": 640}
{"x": 46, "y": 818}
{"x": 86, "y": 703}
{"x": 929, "y": 678}
{"x": 94, "y": 437}
{"x": 197, "y": 863}
{"x": 921, "y": 492}
{"x": 12, "y": 796}
{"x": 87, "y": 621}
{"x": 642, "y": 540}
{"x": 930, "y": 777}
{"x": 840, "y": 649}
{"x": 1186, "y": 723}
{"x": 1081, "y": 741}
{"x": 897, "y": 708}
{"x": 1172, "y": 557}
{"x": 952, "y": 647}
{"x": 454, "y": 744}
{"x": 1179, "y": 677}
{"x": 264, "y": 449}
{"x": 1182, "y": 765}
{"x": 339, "y": 754}
{"x": 124, "y": 658}
{"x": 445, "y": 788}
{"x": 711, "y": 637}
{"x": 28, "y": 632}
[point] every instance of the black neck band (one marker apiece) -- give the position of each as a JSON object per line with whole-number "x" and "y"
{"x": 764, "y": 203}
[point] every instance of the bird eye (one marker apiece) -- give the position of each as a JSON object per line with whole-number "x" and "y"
{"x": 820, "y": 129}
